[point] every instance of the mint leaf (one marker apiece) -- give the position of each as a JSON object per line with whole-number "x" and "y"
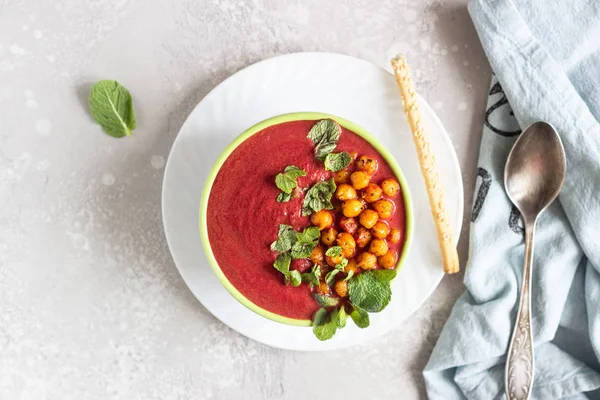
{"x": 318, "y": 197}
{"x": 310, "y": 235}
{"x": 334, "y": 251}
{"x": 325, "y": 324}
{"x": 286, "y": 238}
{"x": 284, "y": 197}
{"x": 282, "y": 263}
{"x": 295, "y": 278}
{"x": 313, "y": 276}
{"x": 337, "y": 161}
{"x": 302, "y": 250}
{"x": 360, "y": 317}
{"x": 286, "y": 182}
{"x": 342, "y": 265}
{"x": 294, "y": 172}
{"x": 111, "y": 105}
{"x": 384, "y": 275}
{"x": 325, "y": 135}
{"x": 307, "y": 240}
{"x": 326, "y": 301}
{"x": 368, "y": 292}
{"x": 350, "y": 275}
{"x": 341, "y": 317}
{"x": 330, "y": 276}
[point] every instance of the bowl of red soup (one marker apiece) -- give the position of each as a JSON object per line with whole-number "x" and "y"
{"x": 306, "y": 219}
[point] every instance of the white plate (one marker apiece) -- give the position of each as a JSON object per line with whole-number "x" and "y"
{"x": 320, "y": 82}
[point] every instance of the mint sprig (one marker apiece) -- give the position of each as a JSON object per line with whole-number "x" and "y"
{"x": 318, "y": 197}
{"x": 286, "y": 182}
{"x": 337, "y": 161}
{"x": 313, "y": 276}
{"x": 325, "y": 135}
{"x": 292, "y": 245}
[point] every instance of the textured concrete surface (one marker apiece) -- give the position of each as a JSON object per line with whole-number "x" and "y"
{"x": 91, "y": 305}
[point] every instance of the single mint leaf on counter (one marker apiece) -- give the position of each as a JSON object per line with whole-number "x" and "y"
{"x": 334, "y": 251}
{"x": 360, "y": 317}
{"x": 337, "y": 161}
{"x": 295, "y": 278}
{"x": 284, "y": 197}
{"x": 324, "y": 324}
{"x": 341, "y": 317}
{"x": 330, "y": 276}
{"x": 318, "y": 197}
{"x": 368, "y": 292}
{"x": 286, "y": 238}
{"x": 282, "y": 263}
{"x": 325, "y": 135}
{"x": 326, "y": 301}
{"x": 384, "y": 275}
{"x": 111, "y": 105}
{"x": 313, "y": 276}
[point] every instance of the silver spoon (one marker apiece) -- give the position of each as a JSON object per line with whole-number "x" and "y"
{"x": 534, "y": 174}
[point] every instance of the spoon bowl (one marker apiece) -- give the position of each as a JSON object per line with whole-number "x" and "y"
{"x": 534, "y": 174}
{"x": 535, "y": 170}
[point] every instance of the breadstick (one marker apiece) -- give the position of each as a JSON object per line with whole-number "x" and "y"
{"x": 427, "y": 162}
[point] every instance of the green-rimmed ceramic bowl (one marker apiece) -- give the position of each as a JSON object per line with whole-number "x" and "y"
{"x": 301, "y": 116}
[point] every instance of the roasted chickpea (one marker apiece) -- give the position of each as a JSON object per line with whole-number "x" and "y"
{"x": 323, "y": 288}
{"x": 333, "y": 261}
{"x": 341, "y": 288}
{"x": 394, "y": 236}
{"x": 371, "y": 193}
{"x": 351, "y": 208}
{"x": 360, "y": 179}
{"x": 318, "y": 255}
{"x": 328, "y": 236}
{"x": 363, "y": 237}
{"x": 347, "y": 243}
{"x": 367, "y": 164}
{"x": 351, "y": 266}
{"x": 384, "y": 208}
{"x": 368, "y": 218}
{"x": 345, "y": 192}
{"x": 378, "y": 247}
{"x": 380, "y": 230}
{"x": 366, "y": 260}
{"x": 388, "y": 260}
{"x": 342, "y": 176}
{"x": 322, "y": 219}
{"x": 348, "y": 225}
{"x": 390, "y": 187}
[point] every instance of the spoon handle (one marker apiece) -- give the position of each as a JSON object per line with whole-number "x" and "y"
{"x": 519, "y": 362}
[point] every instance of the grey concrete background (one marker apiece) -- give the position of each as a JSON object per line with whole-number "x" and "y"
{"x": 91, "y": 304}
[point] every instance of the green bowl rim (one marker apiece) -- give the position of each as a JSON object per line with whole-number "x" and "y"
{"x": 296, "y": 116}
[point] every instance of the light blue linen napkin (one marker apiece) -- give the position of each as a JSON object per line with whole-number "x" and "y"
{"x": 546, "y": 59}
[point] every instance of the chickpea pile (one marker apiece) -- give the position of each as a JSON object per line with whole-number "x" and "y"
{"x": 361, "y": 232}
